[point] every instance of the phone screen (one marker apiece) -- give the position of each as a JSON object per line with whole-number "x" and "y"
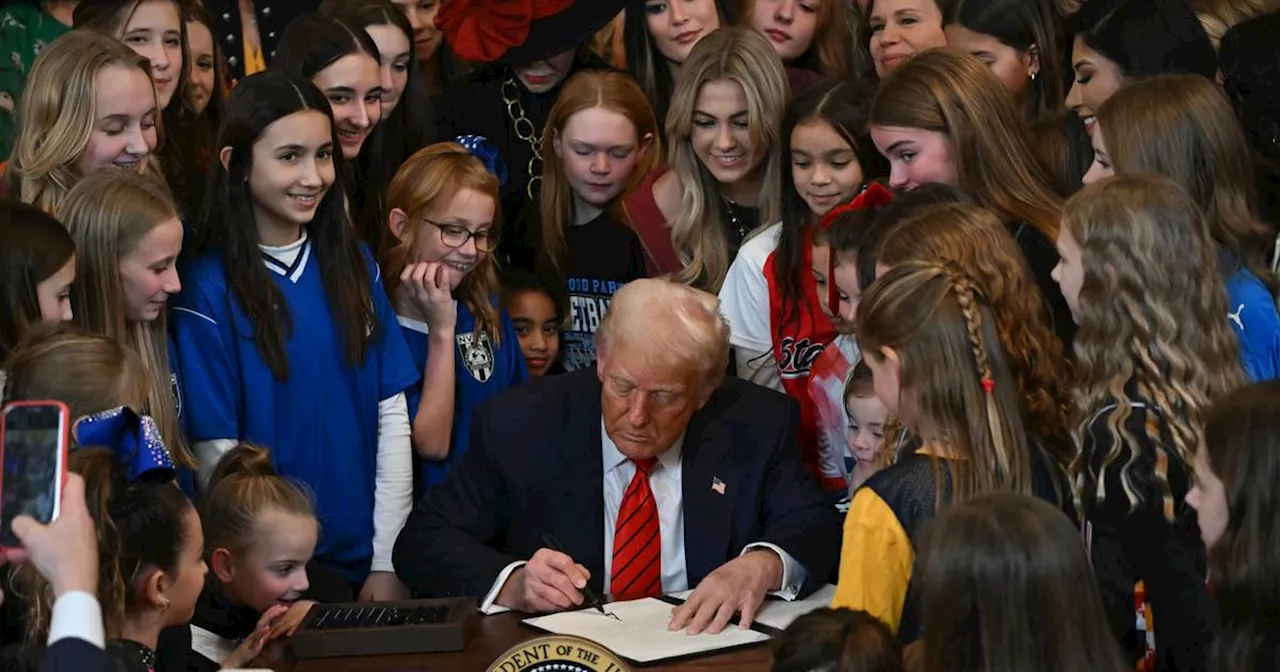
{"x": 32, "y": 472}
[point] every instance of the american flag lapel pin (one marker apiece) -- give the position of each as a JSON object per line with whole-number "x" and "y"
{"x": 717, "y": 485}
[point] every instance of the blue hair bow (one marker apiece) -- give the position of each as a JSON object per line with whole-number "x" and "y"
{"x": 134, "y": 439}
{"x": 482, "y": 149}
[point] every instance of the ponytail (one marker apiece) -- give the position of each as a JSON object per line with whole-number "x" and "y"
{"x": 140, "y": 526}
{"x": 243, "y": 486}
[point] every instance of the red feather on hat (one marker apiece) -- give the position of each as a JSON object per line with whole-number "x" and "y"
{"x": 483, "y": 30}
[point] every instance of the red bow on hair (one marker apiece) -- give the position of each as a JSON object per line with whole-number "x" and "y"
{"x": 483, "y": 30}
{"x": 874, "y": 196}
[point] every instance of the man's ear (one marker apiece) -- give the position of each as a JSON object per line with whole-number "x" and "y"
{"x": 221, "y": 566}
{"x": 224, "y": 157}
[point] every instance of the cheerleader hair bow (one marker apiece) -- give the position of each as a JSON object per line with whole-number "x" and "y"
{"x": 482, "y": 149}
{"x": 134, "y": 438}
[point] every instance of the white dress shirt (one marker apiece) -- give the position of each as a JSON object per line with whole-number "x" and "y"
{"x": 667, "y": 485}
{"x": 77, "y": 615}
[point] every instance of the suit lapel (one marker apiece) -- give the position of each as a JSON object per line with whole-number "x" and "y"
{"x": 708, "y": 486}
{"x": 579, "y": 518}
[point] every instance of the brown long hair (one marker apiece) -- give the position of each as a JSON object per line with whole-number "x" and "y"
{"x": 975, "y": 240}
{"x": 108, "y": 214}
{"x": 832, "y": 48}
{"x": 954, "y": 374}
{"x": 953, "y": 93}
{"x": 428, "y": 179}
{"x": 985, "y": 566}
{"x": 1242, "y": 443}
{"x": 88, "y": 372}
{"x": 1182, "y": 126}
{"x": 33, "y": 247}
{"x": 608, "y": 90}
{"x": 1150, "y": 331}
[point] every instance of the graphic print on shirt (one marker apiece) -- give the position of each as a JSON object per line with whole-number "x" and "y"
{"x": 796, "y": 356}
{"x": 588, "y": 301}
{"x": 477, "y": 354}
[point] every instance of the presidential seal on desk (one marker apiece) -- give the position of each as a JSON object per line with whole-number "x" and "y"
{"x": 559, "y": 653}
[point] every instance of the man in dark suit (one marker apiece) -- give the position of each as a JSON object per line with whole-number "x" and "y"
{"x": 726, "y": 505}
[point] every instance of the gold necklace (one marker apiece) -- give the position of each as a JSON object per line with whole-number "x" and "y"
{"x": 526, "y": 131}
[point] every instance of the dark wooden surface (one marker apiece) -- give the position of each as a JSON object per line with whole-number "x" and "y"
{"x": 492, "y": 637}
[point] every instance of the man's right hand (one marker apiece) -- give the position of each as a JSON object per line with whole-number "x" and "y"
{"x": 551, "y": 581}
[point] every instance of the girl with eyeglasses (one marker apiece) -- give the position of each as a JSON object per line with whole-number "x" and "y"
{"x": 444, "y": 223}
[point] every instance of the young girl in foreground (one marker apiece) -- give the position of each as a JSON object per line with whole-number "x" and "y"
{"x": 769, "y": 294}
{"x": 1236, "y": 470}
{"x": 928, "y": 334}
{"x": 600, "y": 142}
{"x": 1153, "y": 353}
{"x": 444, "y": 228}
{"x": 127, "y": 229}
{"x": 1006, "y": 585}
{"x": 285, "y": 336}
{"x": 260, "y": 532}
{"x": 149, "y": 541}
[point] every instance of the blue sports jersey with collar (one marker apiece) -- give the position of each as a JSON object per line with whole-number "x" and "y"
{"x": 483, "y": 369}
{"x": 321, "y": 425}
{"x": 1251, "y": 311}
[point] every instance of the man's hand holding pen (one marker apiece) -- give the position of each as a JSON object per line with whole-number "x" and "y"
{"x": 551, "y": 581}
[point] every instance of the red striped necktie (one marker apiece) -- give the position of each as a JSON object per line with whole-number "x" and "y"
{"x": 637, "y": 544}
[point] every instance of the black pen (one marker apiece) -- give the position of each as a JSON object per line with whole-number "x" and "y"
{"x": 593, "y": 600}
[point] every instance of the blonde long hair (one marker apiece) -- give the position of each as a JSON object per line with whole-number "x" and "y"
{"x": 1150, "y": 331}
{"x": 740, "y": 55}
{"x": 108, "y": 214}
{"x": 57, "y": 113}
{"x": 613, "y": 91}
{"x": 954, "y": 374}
{"x": 953, "y": 93}
{"x": 426, "y": 179}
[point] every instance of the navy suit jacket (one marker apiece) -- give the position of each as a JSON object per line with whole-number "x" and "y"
{"x": 535, "y": 466}
{"x": 75, "y": 655}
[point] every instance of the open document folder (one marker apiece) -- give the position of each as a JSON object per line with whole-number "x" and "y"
{"x": 640, "y": 634}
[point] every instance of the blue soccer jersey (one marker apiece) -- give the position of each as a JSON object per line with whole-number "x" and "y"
{"x": 321, "y": 424}
{"x": 483, "y": 369}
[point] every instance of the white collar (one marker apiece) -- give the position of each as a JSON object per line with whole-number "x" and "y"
{"x": 612, "y": 458}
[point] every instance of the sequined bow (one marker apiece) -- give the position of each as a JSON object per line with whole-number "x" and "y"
{"x": 482, "y": 149}
{"x": 134, "y": 439}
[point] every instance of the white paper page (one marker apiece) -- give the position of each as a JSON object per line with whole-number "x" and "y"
{"x": 642, "y": 633}
{"x": 780, "y": 613}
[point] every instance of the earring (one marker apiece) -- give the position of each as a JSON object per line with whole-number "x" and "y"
{"x": 1033, "y": 75}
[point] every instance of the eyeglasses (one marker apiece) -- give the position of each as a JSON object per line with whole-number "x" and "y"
{"x": 456, "y": 236}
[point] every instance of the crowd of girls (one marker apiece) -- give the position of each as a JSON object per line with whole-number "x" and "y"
{"x": 1013, "y": 261}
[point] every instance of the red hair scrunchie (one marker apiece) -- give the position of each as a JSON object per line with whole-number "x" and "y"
{"x": 483, "y": 30}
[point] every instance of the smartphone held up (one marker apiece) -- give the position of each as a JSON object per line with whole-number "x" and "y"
{"x": 34, "y": 437}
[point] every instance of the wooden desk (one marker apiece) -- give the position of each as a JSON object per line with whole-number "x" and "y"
{"x": 495, "y": 634}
